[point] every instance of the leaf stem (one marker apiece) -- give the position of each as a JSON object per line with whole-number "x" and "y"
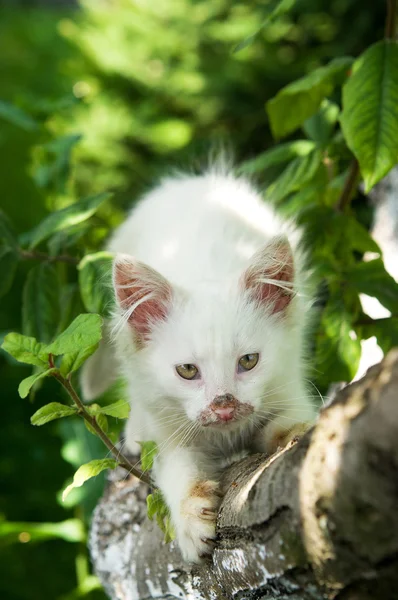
{"x": 121, "y": 459}
{"x": 348, "y": 188}
{"x": 391, "y": 20}
{"x": 35, "y": 255}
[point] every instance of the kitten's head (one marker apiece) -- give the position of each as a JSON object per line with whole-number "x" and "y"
{"x": 213, "y": 354}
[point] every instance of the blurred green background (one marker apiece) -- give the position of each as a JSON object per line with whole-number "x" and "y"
{"x": 129, "y": 89}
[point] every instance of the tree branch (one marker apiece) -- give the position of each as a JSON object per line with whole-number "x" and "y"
{"x": 36, "y": 255}
{"x": 316, "y": 521}
{"x": 391, "y": 20}
{"x": 349, "y": 186}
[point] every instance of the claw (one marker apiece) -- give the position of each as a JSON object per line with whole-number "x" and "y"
{"x": 208, "y": 541}
{"x": 208, "y": 511}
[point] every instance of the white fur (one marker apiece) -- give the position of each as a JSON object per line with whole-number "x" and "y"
{"x": 201, "y": 233}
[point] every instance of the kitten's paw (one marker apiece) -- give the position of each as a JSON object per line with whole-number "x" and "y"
{"x": 196, "y": 529}
{"x": 281, "y": 436}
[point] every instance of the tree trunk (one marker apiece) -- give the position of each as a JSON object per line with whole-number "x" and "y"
{"x": 317, "y": 520}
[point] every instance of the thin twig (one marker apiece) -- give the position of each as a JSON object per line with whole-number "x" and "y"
{"x": 121, "y": 459}
{"x": 349, "y": 186}
{"x": 391, "y": 20}
{"x": 35, "y": 255}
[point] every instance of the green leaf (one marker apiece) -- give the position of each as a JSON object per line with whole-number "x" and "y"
{"x": 372, "y": 279}
{"x": 67, "y": 217}
{"x": 54, "y": 158}
{"x": 338, "y": 350}
{"x": 26, "y": 349}
{"x": 95, "y": 411}
{"x": 52, "y": 411}
{"x": 301, "y": 99}
{"x": 276, "y": 9}
{"x": 72, "y": 361}
{"x": 8, "y": 265}
{"x": 95, "y": 280}
{"x": 282, "y": 153}
{"x": 27, "y": 383}
{"x": 148, "y": 452}
{"x": 41, "y": 306}
{"x": 321, "y": 125}
{"x": 296, "y": 175}
{"x": 7, "y": 235}
{"x": 16, "y": 116}
{"x": 369, "y": 118}
{"x": 385, "y": 330}
{"x": 119, "y": 410}
{"x": 83, "y": 332}
{"x": 89, "y": 470}
{"x": 156, "y": 507}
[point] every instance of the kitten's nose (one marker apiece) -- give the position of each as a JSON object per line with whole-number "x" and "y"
{"x": 225, "y": 414}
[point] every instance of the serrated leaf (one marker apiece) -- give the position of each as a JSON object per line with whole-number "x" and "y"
{"x": 26, "y": 349}
{"x": 276, "y": 9}
{"x": 148, "y": 452}
{"x": 27, "y": 383}
{"x": 282, "y": 153}
{"x": 95, "y": 280}
{"x": 15, "y": 115}
{"x": 72, "y": 361}
{"x": 67, "y": 217}
{"x": 369, "y": 119}
{"x": 41, "y": 305}
{"x": 89, "y": 470}
{"x": 296, "y": 175}
{"x": 52, "y": 411}
{"x": 84, "y": 332}
{"x": 371, "y": 278}
{"x": 321, "y": 125}
{"x": 8, "y": 265}
{"x": 119, "y": 409}
{"x": 301, "y": 99}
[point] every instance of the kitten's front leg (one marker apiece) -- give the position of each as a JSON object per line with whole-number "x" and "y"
{"x": 193, "y": 500}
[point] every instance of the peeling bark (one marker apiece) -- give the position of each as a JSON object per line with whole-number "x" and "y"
{"x": 318, "y": 520}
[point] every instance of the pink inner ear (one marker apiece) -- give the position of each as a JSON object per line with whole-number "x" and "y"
{"x": 140, "y": 286}
{"x": 276, "y": 263}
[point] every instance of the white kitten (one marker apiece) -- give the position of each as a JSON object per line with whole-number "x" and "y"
{"x": 209, "y": 335}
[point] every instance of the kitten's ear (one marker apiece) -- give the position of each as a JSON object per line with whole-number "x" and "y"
{"x": 142, "y": 293}
{"x": 270, "y": 277}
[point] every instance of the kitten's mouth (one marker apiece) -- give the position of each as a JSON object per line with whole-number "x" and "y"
{"x": 226, "y": 412}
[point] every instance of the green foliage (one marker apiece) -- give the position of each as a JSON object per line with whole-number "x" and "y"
{"x": 148, "y": 452}
{"x": 95, "y": 282}
{"x": 156, "y": 507}
{"x": 301, "y": 99}
{"x": 85, "y": 472}
{"x": 369, "y": 118}
{"x": 41, "y": 302}
{"x": 52, "y": 411}
{"x": 84, "y": 332}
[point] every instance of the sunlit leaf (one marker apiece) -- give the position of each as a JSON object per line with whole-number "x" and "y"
{"x": 321, "y": 125}
{"x": 27, "y": 383}
{"x": 119, "y": 409}
{"x": 148, "y": 452}
{"x": 91, "y": 469}
{"x": 301, "y": 99}
{"x": 52, "y": 411}
{"x": 369, "y": 118}
{"x": 296, "y": 175}
{"x": 72, "y": 361}
{"x": 71, "y": 530}
{"x": 157, "y": 507}
{"x": 26, "y": 349}
{"x": 84, "y": 332}
{"x": 62, "y": 219}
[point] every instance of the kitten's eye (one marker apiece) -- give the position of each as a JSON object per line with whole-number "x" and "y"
{"x": 187, "y": 371}
{"x": 248, "y": 362}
